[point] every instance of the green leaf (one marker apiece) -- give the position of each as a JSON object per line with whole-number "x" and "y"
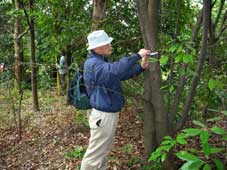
{"x": 198, "y": 123}
{"x": 212, "y": 84}
{"x": 218, "y": 130}
{"x": 187, "y": 58}
{"x": 219, "y": 164}
{"x": 207, "y": 167}
{"x": 171, "y": 89}
{"x": 186, "y": 166}
{"x": 164, "y": 148}
{"x": 220, "y": 85}
{"x": 173, "y": 48}
{"x": 192, "y": 165}
{"x": 184, "y": 155}
{"x": 182, "y": 141}
{"x": 166, "y": 142}
{"x": 167, "y": 138}
{"x": 192, "y": 131}
{"x": 163, "y": 157}
{"x": 164, "y": 60}
{"x": 214, "y": 119}
{"x": 204, "y": 137}
{"x": 224, "y": 138}
{"x": 154, "y": 156}
{"x": 178, "y": 58}
{"x": 182, "y": 71}
{"x": 206, "y": 149}
{"x": 193, "y": 150}
{"x": 153, "y": 60}
{"x": 196, "y": 165}
{"x": 215, "y": 150}
{"x": 181, "y": 136}
{"x": 190, "y": 47}
{"x": 179, "y": 49}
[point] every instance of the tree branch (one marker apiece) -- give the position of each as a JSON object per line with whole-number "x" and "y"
{"x": 198, "y": 24}
{"x": 219, "y": 13}
{"x": 202, "y": 57}
{"x": 222, "y": 28}
{"x": 26, "y": 14}
{"x": 22, "y": 34}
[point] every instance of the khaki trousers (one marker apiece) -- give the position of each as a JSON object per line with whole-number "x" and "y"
{"x": 102, "y": 130}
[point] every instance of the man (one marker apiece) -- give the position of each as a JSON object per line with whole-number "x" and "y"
{"x": 1, "y": 67}
{"x": 62, "y": 70}
{"x": 103, "y": 84}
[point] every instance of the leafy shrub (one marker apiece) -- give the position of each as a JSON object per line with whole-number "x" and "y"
{"x": 203, "y": 156}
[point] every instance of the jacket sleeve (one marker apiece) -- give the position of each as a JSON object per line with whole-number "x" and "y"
{"x": 134, "y": 71}
{"x": 123, "y": 69}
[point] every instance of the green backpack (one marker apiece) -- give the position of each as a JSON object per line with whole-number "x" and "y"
{"x": 77, "y": 92}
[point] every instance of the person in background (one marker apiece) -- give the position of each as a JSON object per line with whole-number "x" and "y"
{"x": 1, "y": 67}
{"x": 62, "y": 70}
{"x": 103, "y": 85}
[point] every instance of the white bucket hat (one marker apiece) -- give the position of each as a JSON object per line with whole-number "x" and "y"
{"x": 98, "y": 39}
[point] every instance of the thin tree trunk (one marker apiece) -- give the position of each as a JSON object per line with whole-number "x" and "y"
{"x": 197, "y": 26}
{"x": 212, "y": 39}
{"x": 219, "y": 12}
{"x": 30, "y": 22}
{"x": 19, "y": 115}
{"x": 177, "y": 32}
{"x": 170, "y": 106}
{"x": 33, "y": 62}
{"x": 178, "y": 94}
{"x": 202, "y": 57}
{"x": 18, "y": 47}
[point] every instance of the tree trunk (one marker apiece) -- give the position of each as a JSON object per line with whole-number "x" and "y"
{"x": 155, "y": 118}
{"x": 99, "y": 8}
{"x": 212, "y": 38}
{"x": 18, "y": 47}
{"x": 33, "y": 62}
{"x": 177, "y": 31}
{"x": 202, "y": 57}
{"x": 197, "y": 26}
{"x": 69, "y": 62}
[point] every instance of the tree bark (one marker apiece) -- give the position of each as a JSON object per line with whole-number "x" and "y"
{"x": 33, "y": 62}
{"x": 155, "y": 118}
{"x": 99, "y": 8}
{"x": 69, "y": 62}
{"x": 213, "y": 36}
{"x": 202, "y": 57}
{"x": 177, "y": 31}
{"x": 197, "y": 26}
{"x": 18, "y": 48}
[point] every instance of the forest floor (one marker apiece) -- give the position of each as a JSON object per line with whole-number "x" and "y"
{"x": 56, "y": 138}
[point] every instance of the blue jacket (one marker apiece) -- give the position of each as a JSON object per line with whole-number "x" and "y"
{"x": 103, "y": 80}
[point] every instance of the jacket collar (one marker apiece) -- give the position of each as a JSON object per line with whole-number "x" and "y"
{"x": 93, "y": 54}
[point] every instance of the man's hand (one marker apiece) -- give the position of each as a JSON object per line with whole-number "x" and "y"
{"x": 144, "y": 63}
{"x": 143, "y": 52}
